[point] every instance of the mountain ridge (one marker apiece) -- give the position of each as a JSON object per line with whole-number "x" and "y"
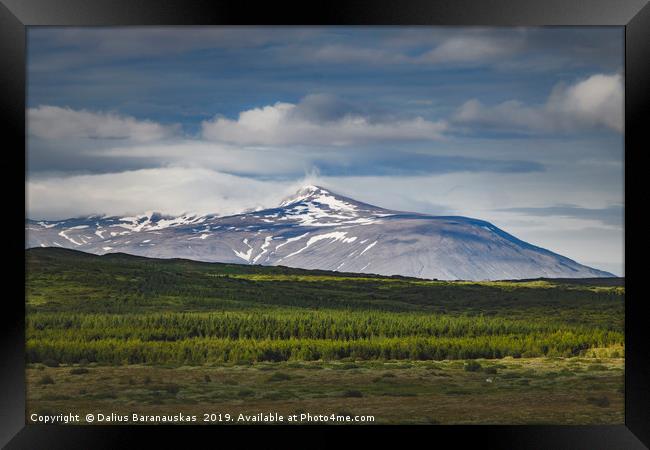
{"x": 318, "y": 229}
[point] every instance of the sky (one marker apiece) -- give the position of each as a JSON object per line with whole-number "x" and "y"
{"x": 522, "y": 127}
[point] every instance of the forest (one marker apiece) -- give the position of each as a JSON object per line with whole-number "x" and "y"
{"x": 119, "y": 310}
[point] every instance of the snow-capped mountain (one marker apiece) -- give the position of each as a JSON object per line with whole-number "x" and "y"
{"x": 317, "y": 229}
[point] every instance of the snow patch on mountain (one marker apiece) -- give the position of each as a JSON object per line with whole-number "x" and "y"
{"x": 368, "y": 248}
{"x": 263, "y": 248}
{"x": 47, "y": 225}
{"x": 290, "y": 240}
{"x": 65, "y": 236}
{"x": 333, "y": 237}
{"x": 245, "y": 256}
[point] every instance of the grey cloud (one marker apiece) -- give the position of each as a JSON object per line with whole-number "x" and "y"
{"x": 430, "y": 47}
{"x": 75, "y": 46}
{"x": 612, "y": 215}
{"x": 507, "y": 48}
{"x": 323, "y": 108}
{"x": 473, "y": 49}
{"x": 54, "y": 122}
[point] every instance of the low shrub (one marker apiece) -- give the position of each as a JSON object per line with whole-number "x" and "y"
{"x": 601, "y": 401}
{"x": 172, "y": 388}
{"x": 245, "y": 393}
{"x": 348, "y": 366}
{"x": 279, "y": 376}
{"x": 472, "y": 366}
{"x": 352, "y": 394}
{"x": 46, "y": 379}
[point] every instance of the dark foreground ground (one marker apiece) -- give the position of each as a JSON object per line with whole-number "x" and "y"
{"x": 507, "y": 391}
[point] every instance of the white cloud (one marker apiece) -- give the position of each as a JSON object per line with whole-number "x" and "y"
{"x": 596, "y": 101}
{"x": 169, "y": 190}
{"x": 472, "y": 49}
{"x": 218, "y": 156}
{"x": 296, "y": 124}
{"x": 53, "y": 122}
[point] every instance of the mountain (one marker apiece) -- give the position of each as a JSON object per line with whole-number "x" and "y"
{"x": 317, "y": 229}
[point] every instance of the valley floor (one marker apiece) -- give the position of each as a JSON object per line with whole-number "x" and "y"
{"x": 568, "y": 391}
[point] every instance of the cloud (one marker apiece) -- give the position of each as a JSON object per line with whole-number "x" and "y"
{"x": 509, "y": 114}
{"x": 408, "y": 46}
{"x": 317, "y": 120}
{"x": 291, "y": 139}
{"x": 594, "y": 102}
{"x": 292, "y": 162}
{"x": 611, "y": 215}
{"x": 254, "y": 162}
{"x": 169, "y": 190}
{"x": 475, "y": 49}
{"x": 343, "y": 54}
{"x": 68, "y": 47}
{"x": 515, "y": 48}
{"x": 53, "y": 122}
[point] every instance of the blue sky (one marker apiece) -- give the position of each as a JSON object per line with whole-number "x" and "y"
{"x": 519, "y": 126}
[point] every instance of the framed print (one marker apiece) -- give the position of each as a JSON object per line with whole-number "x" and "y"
{"x": 362, "y": 217}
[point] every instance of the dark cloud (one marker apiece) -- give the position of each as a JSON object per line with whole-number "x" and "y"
{"x": 324, "y": 108}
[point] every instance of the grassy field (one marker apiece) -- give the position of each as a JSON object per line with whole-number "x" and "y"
{"x": 127, "y": 335}
{"x": 505, "y": 391}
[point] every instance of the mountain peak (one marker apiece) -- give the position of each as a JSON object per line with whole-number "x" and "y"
{"x": 306, "y": 193}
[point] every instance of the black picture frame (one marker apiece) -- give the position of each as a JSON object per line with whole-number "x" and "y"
{"x": 16, "y": 15}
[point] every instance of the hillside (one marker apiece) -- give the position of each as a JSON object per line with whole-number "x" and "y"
{"x": 71, "y": 280}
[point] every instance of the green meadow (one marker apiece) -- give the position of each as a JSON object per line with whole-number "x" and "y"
{"x": 131, "y": 334}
